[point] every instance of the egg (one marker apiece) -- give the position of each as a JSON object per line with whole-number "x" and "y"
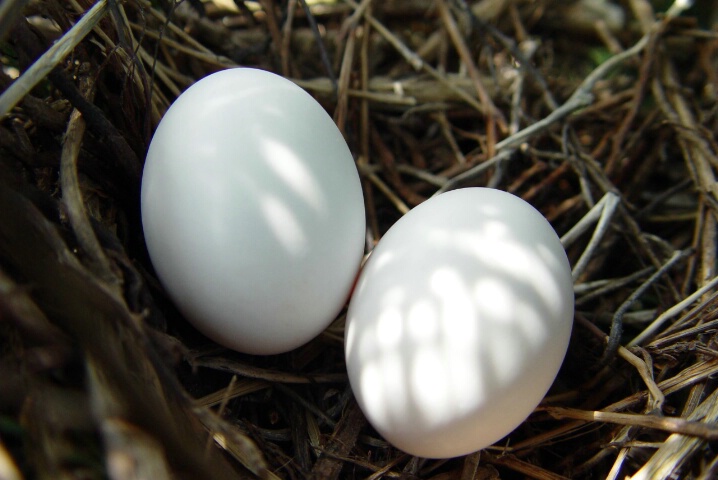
{"x": 459, "y": 322}
{"x": 252, "y": 211}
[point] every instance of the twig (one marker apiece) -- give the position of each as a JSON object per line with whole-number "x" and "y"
{"x": 232, "y": 391}
{"x": 638, "y": 93}
{"x": 398, "y": 203}
{"x": 272, "y": 23}
{"x": 678, "y": 448}
{"x": 473, "y": 172}
{"x": 471, "y": 465}
{"x": 51, "y": 58}
{"x": 96, "y": 121}
{"x": 249, "y": 371}
{"x": 491, "y": 114}
{"x": 580, "y": 98}
{"x": 524, "y": 467}
{"x": 413, "y": 59}
{"x": 388, "y": 163}
{"x": 524, "y": 61}
{"x": 364, "y": 128}
{"x": 287, "y": 38}
{"x": 341, "y": 88}
{"x": 708, "y": 248}
{"x": 604, "y": 210}
{"x": 209, "y": 58}
{"x": 7, "y": 464}
{"x": 667, "y": 424}
{"x": 614, "y": 336}
{"x": 650, "y": 330}
{"x": 672, "y": 312}
{"x": 607, "y": 286}
{"x": 449, "y": 136}
{"x": 10, "y": 12}
{"x": 186, "y": 37}
{"x": 72, "y": 198}
{"x": 640, "y": 365}
{"x": 322, "y": 49}
{"x": 341, "y": 442}
{"x": 234, "y": 442}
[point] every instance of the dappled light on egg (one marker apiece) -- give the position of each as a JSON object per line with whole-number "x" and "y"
{"x": 494, "y": 230}
{"x": 501, "y": 306}
{"x": 292, "y": 170}
{"x": 459, "y": 323}
{"x": 385, "y": 375}
{"x": 383, "y": 259}
{"x": 252, "y": 204}
{"x": 505, "y": 351}
{"x": 389, "y": 328}
{"x": 455, "y": 303}
{"x": 422, "y": 322}
{"x": 429, "y": 387}
{"x": 284, "y": 224}
{"x": 530, "y": 320}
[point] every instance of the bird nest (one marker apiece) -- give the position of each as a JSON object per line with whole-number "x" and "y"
{"x": 603, "y": 116}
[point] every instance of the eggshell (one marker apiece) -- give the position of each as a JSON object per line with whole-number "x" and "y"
{"x": 459, "y": 322}
{"x": 252, "y": 211}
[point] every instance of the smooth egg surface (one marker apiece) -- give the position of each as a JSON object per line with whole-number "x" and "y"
{"x": 252, "y": 211}
{"x": 459, "y": 322}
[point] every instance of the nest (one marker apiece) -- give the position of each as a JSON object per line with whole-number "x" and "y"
{"x": 603, "y": 116}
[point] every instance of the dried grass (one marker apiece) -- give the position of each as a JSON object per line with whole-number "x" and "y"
{"x": 585, "y": 119}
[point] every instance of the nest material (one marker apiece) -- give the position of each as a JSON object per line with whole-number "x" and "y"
{"x": 602, "y": 116}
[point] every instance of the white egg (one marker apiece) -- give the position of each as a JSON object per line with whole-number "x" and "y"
{"x": 252, "y": 211}
{"x": 459, "y": 322}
